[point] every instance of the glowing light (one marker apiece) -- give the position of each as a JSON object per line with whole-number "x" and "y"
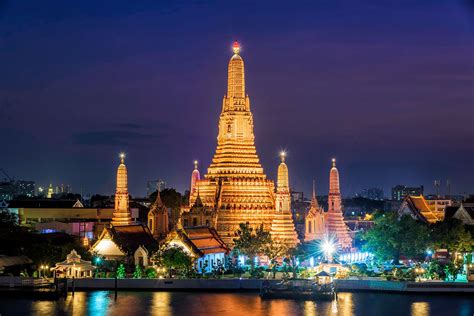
{"x": 236, "y": 47}
{"x": 328, "y": 247}
{"x": 429, "y": 252}
{"x": 311, "y": 261}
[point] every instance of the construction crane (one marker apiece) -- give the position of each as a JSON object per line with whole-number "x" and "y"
{"x": 6, "y": 175}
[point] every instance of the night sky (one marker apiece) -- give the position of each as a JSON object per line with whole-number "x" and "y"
{"x": 386, "y": 87}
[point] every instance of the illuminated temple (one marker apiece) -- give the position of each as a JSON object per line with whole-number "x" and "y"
{"x": 235, "y": 185}
{"x": 335, "y": 226}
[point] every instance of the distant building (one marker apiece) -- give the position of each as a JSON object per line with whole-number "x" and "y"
{"x": 372, "y": 194}
{"x": 297, "y": 197}
{"x": 464, "y": 213}
{"x": 155, "y": 185}
{"x": 399, "y": 192}
{"x": 12, "y": 189}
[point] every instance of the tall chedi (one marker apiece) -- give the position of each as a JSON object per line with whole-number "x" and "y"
{"x": 283, "y": 228}
{"x": 121, "y": 215}
{"x": 335, "y": 225}
{"x": 195, "y": 177}
{"x": 235, "y": 185}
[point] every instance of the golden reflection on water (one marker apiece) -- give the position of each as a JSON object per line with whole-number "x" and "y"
{"x": 43, "y": 308}
{"x": 344, "y": 304}
{"x": 420, "y": 309}
{"x": 161, "y": 304}
{"x": 310, "y": 308}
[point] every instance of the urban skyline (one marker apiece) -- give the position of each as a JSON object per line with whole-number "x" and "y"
{"x": 369, "y": 100}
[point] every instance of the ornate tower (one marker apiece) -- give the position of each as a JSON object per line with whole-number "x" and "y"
{"x": 314, "y": 220}
{"x": 121, "y": 215}
{"x": 158, "y": 221}
{"x": 283, "y": 228}
{"x": 335, "y": 225}
{"x": 235, "y": 184}
{"x": 195, "y": 176}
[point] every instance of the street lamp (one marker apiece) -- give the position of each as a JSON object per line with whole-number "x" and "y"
{"x": 328, "y": 247}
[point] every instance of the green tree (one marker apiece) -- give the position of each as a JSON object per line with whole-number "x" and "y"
{"x": 392, "y": 237}
{"x": 295, "y": 256}
{"x": 138, "y": 273}
{"x": 275, "y": 250}
{"x": 251, "y": 243}
{"x": 175, "y": 260}
{"x": 121, "y": 271}
{"x": 452, "y": 235}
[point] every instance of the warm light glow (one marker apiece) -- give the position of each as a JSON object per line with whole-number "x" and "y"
{"x": 236, "y": 47}
{"x": 122, "y": 155}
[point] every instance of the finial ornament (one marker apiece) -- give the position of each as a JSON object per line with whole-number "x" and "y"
{"x": 236, "y": 47}
{"x": 334, "y": 162}
{"x": 195, "y": 164}
{"x": 122, "y": 157}
{"x": 282, "y": 156}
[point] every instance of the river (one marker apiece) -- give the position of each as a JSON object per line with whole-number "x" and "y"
{"x": 100, "y": 303}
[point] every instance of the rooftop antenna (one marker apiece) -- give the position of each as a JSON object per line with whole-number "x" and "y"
{"x": 436, "y": 185}
{"x": 448, "y": 189}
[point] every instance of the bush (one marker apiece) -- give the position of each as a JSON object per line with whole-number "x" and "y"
{"x": 150, "y": 273}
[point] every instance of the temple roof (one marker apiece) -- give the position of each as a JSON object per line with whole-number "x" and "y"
{"x": 420, "y": 209}
{"x": 129, "y": 237}
{"x": 202, "y": 240}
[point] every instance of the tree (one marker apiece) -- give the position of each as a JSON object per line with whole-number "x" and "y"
{"x": 174, "y": 259}
{"x": 251, "y": 243}
{"x": 296, "y": 255}
{"x": 138, "y": 273}
{"x": 274, "y": 251}
{"x": 452, "y": 235}
{"x": 392, "y": 237}
{"x": 121, "y": 271}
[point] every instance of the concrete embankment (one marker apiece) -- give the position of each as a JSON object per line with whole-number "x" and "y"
{"x": 403, "y": 286}
{"x": 169, "y": 284}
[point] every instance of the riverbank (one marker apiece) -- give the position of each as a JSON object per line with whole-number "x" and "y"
{"x": 239, "y": 285}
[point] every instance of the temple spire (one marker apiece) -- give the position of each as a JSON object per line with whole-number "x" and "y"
{"x": 195, "y": 177}
{"x": 314, "y": 201}
{"x": 236, "y": 76}
{"x": 283, "y": 182}
{"x": 121, "y": 214}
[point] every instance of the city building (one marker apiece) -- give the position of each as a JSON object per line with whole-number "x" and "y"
{"x": 235, "y": 184}
{"x": 315, "y": 226}
{"x": 372, "y": 194}
{"x": 335, "y": 226}
{"x": 67, "y": 216}
{"x": 203, "y": 244}
{"x": 399, "y": 192}
{"x": 12, "y": 189}
{"x": 155, "y": 185}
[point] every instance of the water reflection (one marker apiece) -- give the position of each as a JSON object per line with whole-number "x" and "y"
{"x": 161, "y": 304}
{"x": 97, "y": 303}
{"x": 182, "y": 303}
{"x": 420, "y": 309}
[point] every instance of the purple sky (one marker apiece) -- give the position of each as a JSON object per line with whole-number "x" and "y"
{"x": 384, "y": 86}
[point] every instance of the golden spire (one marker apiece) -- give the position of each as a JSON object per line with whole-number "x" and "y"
{"x": 283, "y": 182}
{"x": 236, "y": 77}
{"x": 121, "y": 215}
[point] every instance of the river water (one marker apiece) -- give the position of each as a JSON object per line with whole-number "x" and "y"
{"x": 100, "y": 303}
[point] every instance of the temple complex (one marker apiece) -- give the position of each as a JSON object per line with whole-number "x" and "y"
{"x": 283, "y": 228}
{"x": 235, "y": 185}
{"x": 121, "y": 215}
{"x": 315, "y": 226}
{"x": 335, "y": 226}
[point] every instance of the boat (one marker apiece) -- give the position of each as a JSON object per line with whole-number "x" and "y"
{"x": 298, "y": 290}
